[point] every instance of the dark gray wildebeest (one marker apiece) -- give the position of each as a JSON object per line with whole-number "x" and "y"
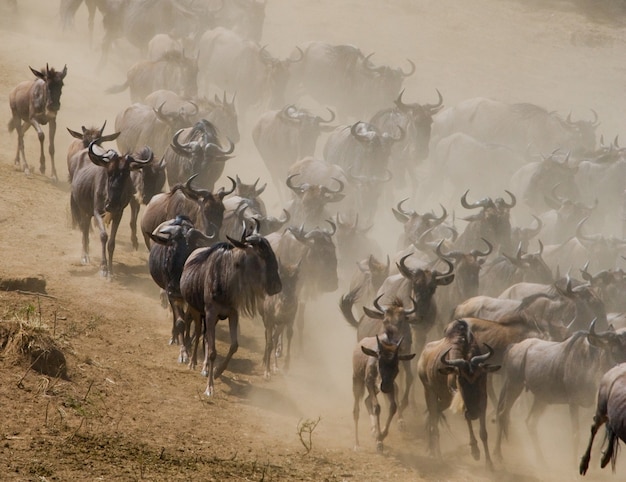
{"x": 363, "y": 151}
{"x": 233, "y": 63}
{"x": 219, "y": 112}
{"x": 521, "y": 127}
{"x": 286, "y": 136}
{"x": 197, "y": 150}
{"x": 278, "y": 312}
{"x": 565, "y": 372}
{"x": 101, "y": 190}
{"x": 415, "y": 120}
{"x": 174, "y": 240}
{"x": 377, "y": 321}
{"x": 493, "y": 222}
{"x": 375, "y": 366}
{"x": 419, "y": 284}
{"x": 36, "y": 103}
{"x": 610, "y": 409}
{"x": 77, "y": 150}
{"x": 220, "y": 282}
{"x": 453, "y": 366}
{"x": 173, "y": 71}
{"x": 203, "y": 207}
{"x": 315, "y": 183}
{"x": 343, "y": 77}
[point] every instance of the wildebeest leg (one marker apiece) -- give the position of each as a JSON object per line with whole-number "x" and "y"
{"x": 393, "y": 406}
{"x": 373, "y": 408}
{"x": 233, "y": 324}
{"x": 432, "y": 422}
{"x": 52, "y": 129}
{"x": 134, "y": 214}
{"x": 511, "y": 390}
{"x": 536, "y": 410}
{"x": 483, "y": 438}
{"x": 41, "y": 136}
{"x": 269, "y": 346}
{"x": 115, "y": 224}
{"x": 210, "y": 353}
{"x": 358, "y": 389}
{"x": 300, "y": 323}
{"x": 575, "y": 420}
{"x": 599, "y": 419}
{"x": 21, "y": 128}
{"x": 473, "y": 442}
{"x": 610, "y": 448}
{"x": 408, "y": 383}
{"x": 277, "y": 334}
{"x": 196, "y": 316}
{"x": 84, "y": 223}
{"x": 104, "y": 237}
{"x": 179, "y": 328}
{"x": 289, "y": 333}
{"x": 91, "y": 8}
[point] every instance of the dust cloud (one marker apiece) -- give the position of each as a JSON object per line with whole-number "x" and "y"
{"x": 547, "y": 53}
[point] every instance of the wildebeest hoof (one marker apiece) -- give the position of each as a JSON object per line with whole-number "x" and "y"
{"x": 379, "y": 446}
{"x": 204, "y": 373}
{"x": 357, "y": 448}
{"x": 401, "y": 425}
{"x": 84, "y": 260}
{"x": 267, "y": 375}
{"x": 209, "y": 391}
{"x": 475, "y": 452}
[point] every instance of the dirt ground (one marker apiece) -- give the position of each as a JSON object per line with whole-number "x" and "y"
{"x": 128, "y": 410}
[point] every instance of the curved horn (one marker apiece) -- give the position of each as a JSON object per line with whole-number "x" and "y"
{"x": 450, "y": 269}
{"x": 216, "y": 148}
{"x": 585, "y": 274}
{"x": 340, "y": 189}
{"x": 410, "y": 312}
{"x": 182, "y": 149}
{"x": 376, "y": 305}
{"x": 99, "y": 159}
{"x": 412, "y": 69}
{"x": 437, "y": 106}
{"x": 477, "y": 253}
{"x": 291, "y": 61}
{"x": 399, "y": 102}
{"x": 513, "y": 200}
{"x": 478, "y": 359}
{"x": 366, "y": 63}
{"x": 290, "y": 184}
{"x": 333, "y": 228}
{"x": 452, "y": 254}
{"x": 474, "y": 205}
{"x": 223, "y": 192}
{"x": 579, "y": 232}
{"x": 332, "y": 117}
{"x": 403, "y": 268}
{"x": 442, "y": 218}
{"x": 595, "y": 122}
{"x": 458, "y": 363}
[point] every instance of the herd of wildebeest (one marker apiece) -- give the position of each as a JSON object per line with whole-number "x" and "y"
{"x": 468, "y": 301}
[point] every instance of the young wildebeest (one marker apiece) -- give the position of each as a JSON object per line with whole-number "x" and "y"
{"x": 36, "y": 102}
{"x": 610, "y": 409}
{"x": 456, "y": 363}
{"x": 279, "y": 313}
{"x": 564, "y": 372}
{"x": 375, "y": 364}
{"x": 219, "y": 282}
{"x": 175, "y": 240}
{"x": 102, "y": 190}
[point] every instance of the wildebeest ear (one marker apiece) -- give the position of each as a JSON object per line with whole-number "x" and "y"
{"x": 158, "y": 238}
{"x": 37, "y": 73}
{"x": 369, "y": 351}
{"x": 406, "y": 357}
{"x": 447, "y": 370}
{"x": 75, "y": 134}
{"x": 445, "y": 280}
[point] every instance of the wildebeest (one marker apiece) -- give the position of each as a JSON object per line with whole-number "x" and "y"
{"x": 203, "y": 207}
{"x": 367, "y": 279}
{"x": 521, "y": 126}
{"x": 341, "y": 76}
{"x": 77, "y": 150}
{"x": 415, "y": 120}
{"x": 239, "y": 65}
{"x": 173, "y": 71}
{"x": 174, "y": 240}
{"x": 101, "y": 190}
{"x": 375, "y": 367}
{"x": 286, "y": 136}
{"x": 557, "y": 372}
{"x": 415, "y": 224}
{"x": 610, "y": 409}
{"x": 197, "y": 150}
{"x": 454, "y": 363}
{"x": 36, "y": 103}
{"x": 278, "y": 312}
{"x": 220, "y": 282}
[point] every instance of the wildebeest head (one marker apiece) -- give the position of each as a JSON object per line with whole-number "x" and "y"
{"x": 603, "y": 249}
{"x": 277, "y": 74}
{"x": 91, "y": 134}
{"x": 425, "y": 281}
{"x": 262, "y": 261}
{"x": 386, "y": 81}
{"x": 611, "y": 342}
{"x": 377, "y": 147}
{"x": 388, "y": 356}
{"x": 223, "y": 113}
{"x": 415, "y": 224}
{"x": 313, "y": 197}
{"x": 308, "y": 127}
{"x": 320, "y": 260}
{"x": 54, "y": 85}
{"x": 494, "y": 219}
{"x": 583, "y": 132}
{"x": 467, "y": 267}
{"x": 118, "y": 168}
{"x": 151, "y": 180}
{"x": 587, "y": 305}
{"x": 610, "y": 285}
{"x": 211, "y": 204}
{"x": 530, "y": 267}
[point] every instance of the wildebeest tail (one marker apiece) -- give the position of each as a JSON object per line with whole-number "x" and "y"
{"x": 12, "y": 124}
{"x": 345, "y": 304}
{"x": 612, "y": 449}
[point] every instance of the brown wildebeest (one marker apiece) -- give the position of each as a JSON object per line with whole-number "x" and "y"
{"x": 78, "y": 148}
{"x": 610, "y": 409}
{"x": 101, "y": 190}
{"x": 36, "y": 103}
{"x": 220, "y": 282}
